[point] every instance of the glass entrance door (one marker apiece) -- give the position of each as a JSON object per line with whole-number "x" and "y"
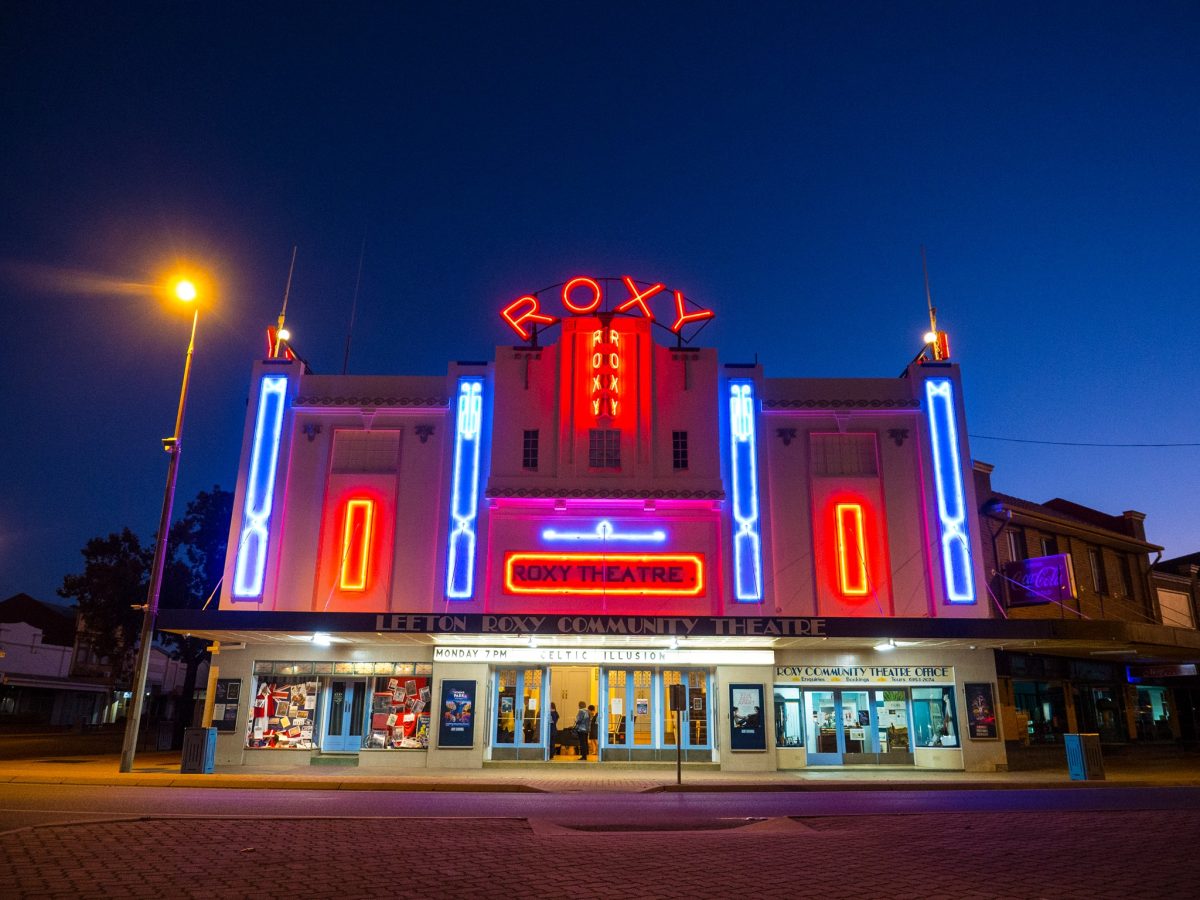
{"x": 694, "y": 720}
{"x": 519, "y": 714}
{"x": 840, "y": 724}
{"x": 344, "y": 723}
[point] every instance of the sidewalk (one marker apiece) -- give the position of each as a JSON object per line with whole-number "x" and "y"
{"x": 162, "y": 770}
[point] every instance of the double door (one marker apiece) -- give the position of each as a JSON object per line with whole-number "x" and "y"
{"x": 857, "y": 726}
{"x": 520, "y": 718}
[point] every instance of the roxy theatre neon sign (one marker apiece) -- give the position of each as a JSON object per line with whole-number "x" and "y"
{"x": 583, "y": 296}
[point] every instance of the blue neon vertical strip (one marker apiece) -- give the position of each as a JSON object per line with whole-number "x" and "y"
{"x": 464, "y": 490}
{"x": 250, "y": 569}
{"x": 743, "y": 456}
{"x": 951, "y": 496}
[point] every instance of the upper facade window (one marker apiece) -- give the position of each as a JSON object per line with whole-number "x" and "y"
{"x": 529, "y": 449}
{"x": 1016, "y": 545}
{"x": 365, "y": 451}
{"x": 679, "y": 450}
{"x": 844, "y": 454}
{"x": 1096, "y": 564}
{"x": 604, "y": 448}
{"x": 1049, "y": 546}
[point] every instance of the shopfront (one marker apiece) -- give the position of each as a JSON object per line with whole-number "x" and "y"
{"x": 874, "y": 709}
{"x": 534, "y": 695}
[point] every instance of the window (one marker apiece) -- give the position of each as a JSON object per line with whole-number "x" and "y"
{"x": 844, "y": 454}
{"x": 1016, "y": 545}
{"x": 1049, "y": 546}
{"x": 604, "y": 448}
{"x": 789, "y": 722}
{"x": 283, "y": 714}
{"x": 399, "y": 714}
{"x": 934, "y": 717}
{"x": 1126, "y": 578}
{"x": 1176, "y": 611}
{"x": 1096, "y": 564}
{"x": 365, "y": 451}
{"x": 679, "y": 450}
{"x": 529, "y": 449}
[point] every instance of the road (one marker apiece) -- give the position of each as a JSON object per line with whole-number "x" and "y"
{"x": 154, "y": 842}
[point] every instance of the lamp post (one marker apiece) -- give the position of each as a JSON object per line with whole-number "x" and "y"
{"x": 185, "y": 291}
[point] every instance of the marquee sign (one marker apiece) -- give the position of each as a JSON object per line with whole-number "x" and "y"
{"x": 592, "y": 574}
{"x": 583, "y": 296}
{"x": 899, "y": 675}
{"x": 603, "y": 656}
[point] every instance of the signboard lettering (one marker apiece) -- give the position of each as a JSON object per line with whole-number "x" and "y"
{"x": 1040, "y": 580}
{"x": 582, "y": 296}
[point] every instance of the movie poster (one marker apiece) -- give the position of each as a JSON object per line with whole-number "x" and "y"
{"x": 281, "y": 715}
{"x": 981, "y": 713}
{"x": 747, "y": 730}
{"x": 226, "y": 704}
{"x": 456, "y": 721}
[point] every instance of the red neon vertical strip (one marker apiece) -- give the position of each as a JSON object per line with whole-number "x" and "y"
{"x": 357, "y": 533}
{"x": 852, "y": 549}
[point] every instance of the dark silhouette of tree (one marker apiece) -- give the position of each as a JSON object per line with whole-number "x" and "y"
{"x": 197, "y": 545}
{"x": 114, "y": 580}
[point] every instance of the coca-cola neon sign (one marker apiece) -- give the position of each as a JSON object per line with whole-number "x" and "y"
{"x": 583, "y": 296}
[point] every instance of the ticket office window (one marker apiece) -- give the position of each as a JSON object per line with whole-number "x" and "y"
{"x": 694, "y": 720}
{"x": 789, "y": 717}
{"x": 630, "y": 708}
{"x": 935, "y": 719}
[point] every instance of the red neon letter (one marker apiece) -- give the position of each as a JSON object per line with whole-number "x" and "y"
{"x": 532, "y": 314}
{"x": 851, "y": 549}
{"x": 357, "y": 532}
{"x": 639, "y": 300}
{"x": 574, "y": 283}
{"x": 684, "y": 318}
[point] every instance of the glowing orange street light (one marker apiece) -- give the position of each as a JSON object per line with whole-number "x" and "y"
{"x": 184, "y": 290}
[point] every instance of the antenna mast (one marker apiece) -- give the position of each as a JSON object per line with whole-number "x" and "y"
{"x": 279, "y": 331}
{"x": 354, "y": 305}
{"x": 937, "y": 341}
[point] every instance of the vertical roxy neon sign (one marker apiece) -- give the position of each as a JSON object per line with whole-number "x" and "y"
{"x": 951, "y": 495}
{"x": 249, "y": 571}
{"x": 464, "y": 490}
{"x": 743, "y": 447}
{"x": 606, "y": 372}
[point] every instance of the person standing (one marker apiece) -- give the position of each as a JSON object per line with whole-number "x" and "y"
{"x": 583, "y": 723}
{"x": 593, "y": 732}
{"x": 553, "y": 730}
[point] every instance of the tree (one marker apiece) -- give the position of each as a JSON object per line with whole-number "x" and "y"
{"x": 116, "y": 576}
{"x": 197, "y": 563}
{"x": 114, "y": 580}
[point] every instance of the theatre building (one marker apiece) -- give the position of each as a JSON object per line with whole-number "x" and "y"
{"x": 424, "y": 571}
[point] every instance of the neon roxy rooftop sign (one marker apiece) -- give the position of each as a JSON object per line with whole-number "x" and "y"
{"x": 584, "y": 296}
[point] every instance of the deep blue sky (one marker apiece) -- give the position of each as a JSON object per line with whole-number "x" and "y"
{"x": 781, "y": 165}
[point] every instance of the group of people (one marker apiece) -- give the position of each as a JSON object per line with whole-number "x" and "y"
{"x": 585, "y": 728}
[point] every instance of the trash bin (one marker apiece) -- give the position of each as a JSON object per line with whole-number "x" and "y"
{"x": 1084, "y": 761}
{"x": 199, "y": 751}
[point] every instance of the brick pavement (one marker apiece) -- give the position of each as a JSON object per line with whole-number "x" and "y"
{"x": 1075, "y": 856}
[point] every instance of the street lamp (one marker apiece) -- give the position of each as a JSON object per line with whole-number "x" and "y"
{"x": 185, "y": 291}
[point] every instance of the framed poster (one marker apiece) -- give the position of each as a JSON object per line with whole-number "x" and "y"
{"x": 981, "y": 712}
{"x": 456, "y": 725}
{"x": 225, "y": 704}
{"x": 747, "y": 730}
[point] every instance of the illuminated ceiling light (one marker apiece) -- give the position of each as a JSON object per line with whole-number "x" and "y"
{"x": 886, "y": 646}
{"x": 321, "y": 639}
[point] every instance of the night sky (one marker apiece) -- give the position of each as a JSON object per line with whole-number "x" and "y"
{"x": 781, "y": 164}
